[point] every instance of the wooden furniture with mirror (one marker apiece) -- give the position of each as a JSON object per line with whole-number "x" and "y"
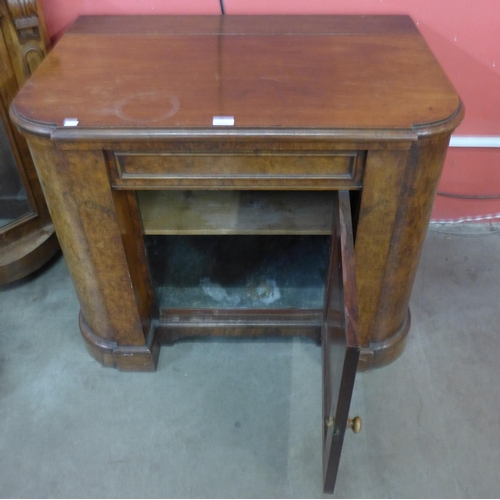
{"x": 27, "y": 237}
{"x": 242, "y": 176}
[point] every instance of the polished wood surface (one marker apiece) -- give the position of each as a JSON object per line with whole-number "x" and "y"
{"x": 319, "y": 103}
{"x": 28, "y": 240}
{"x": 292, "y": 72}
{"x": 341, "y": 125}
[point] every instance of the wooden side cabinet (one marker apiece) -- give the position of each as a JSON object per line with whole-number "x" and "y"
{"x": 27, "y": 237}
{"x": 243, "y": 176}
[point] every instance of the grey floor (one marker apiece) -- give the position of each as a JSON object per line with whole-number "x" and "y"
{"x": 242, "y": 419}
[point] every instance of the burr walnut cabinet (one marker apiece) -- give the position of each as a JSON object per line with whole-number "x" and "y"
{"x": 27, "y": 237}
{"x": 242, "y": 176}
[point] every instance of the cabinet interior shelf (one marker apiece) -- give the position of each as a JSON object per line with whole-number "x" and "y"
{"x": 236, "y": 212}
{"x": 238, "y": 271}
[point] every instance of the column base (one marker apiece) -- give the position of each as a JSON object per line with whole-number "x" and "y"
{"x": 125, "y": 358}
{"x": 380, "y": 354}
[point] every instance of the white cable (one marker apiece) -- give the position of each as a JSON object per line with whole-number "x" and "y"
{"x": 467, "y": 218}
{"x": 475, "y": 141}
{"x": 472, "y": 141}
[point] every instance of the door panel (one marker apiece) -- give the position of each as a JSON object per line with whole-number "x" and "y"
{"x": 340, "y": 340}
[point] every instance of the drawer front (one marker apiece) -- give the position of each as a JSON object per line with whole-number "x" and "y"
{"x": 244, "y": 170}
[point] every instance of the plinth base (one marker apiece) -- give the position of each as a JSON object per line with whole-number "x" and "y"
{"x": 21, "y": 258}
{"x": 383, "y": 353}
{"x": 125, "y": 358}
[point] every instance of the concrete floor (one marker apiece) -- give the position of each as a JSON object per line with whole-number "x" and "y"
{"x": 242, "y": 418}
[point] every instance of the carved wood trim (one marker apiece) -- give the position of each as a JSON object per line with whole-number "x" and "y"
{"x": 29, "y": 34}
{"x": 24, "y": 14}
{"x": 22, "y": 8}
{"x": 29, "y": 241}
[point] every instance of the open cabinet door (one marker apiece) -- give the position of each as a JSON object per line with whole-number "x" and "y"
{"x": 340, "y": 341}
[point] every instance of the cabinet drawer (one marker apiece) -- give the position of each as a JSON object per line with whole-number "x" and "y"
{"x": 245, "y": 170}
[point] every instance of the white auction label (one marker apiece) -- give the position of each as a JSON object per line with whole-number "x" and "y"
{"x": 225, "y": 121}
{"x": 70, "y": 122}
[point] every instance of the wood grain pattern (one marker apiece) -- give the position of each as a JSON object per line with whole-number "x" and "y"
{"x": 236, "y": 212}
{"x": 302, "y": 90}
{"x": 27, "y": 254}
{"x": 83, "y": 210}
{"x": 319, "y": 104}
{"x": 182, "y": 166}
{"x": 377, "y": 219}
{"x": 29, "y": 241}
{"x": 277, "y": 166}
{"x": 186, "y": 80}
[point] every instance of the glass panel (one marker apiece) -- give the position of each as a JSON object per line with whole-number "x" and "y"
{"x": 262, "y": 272}
{"x": 13, "y": 198}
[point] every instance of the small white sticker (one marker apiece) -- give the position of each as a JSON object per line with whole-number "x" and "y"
{"x": 225, "y": 121}
{"x": 70, "y": 122}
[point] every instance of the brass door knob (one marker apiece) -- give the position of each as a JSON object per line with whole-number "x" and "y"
{"x": 352, "y": 423}
{"x": 355, "y": 424}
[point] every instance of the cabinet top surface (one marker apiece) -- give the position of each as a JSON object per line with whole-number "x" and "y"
{"x": 176, "y": 73}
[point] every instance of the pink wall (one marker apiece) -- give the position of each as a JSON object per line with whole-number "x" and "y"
{"x": 464, "y": 35}
{"x": 60, "y": 14}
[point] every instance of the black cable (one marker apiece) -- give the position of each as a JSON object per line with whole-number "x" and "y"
{"x": 470, "y": 196}
{"x": 222, "y": 6}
